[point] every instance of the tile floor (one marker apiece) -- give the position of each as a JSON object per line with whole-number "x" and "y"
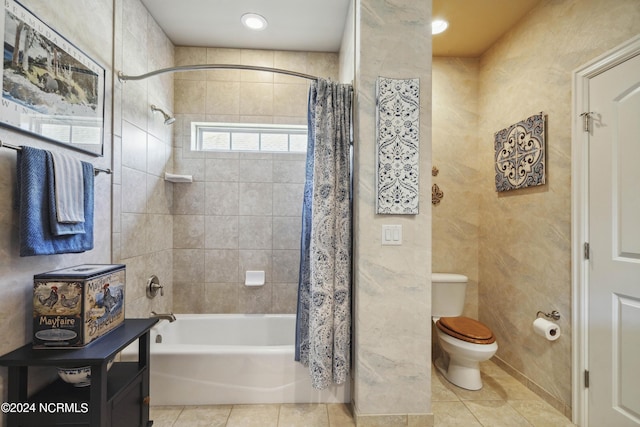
{"x": 502, "y": 402}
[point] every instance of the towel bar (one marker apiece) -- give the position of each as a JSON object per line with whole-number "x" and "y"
{"x": 18, "y": 148}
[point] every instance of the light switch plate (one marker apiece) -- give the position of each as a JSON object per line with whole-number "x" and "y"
{"x": 392, "y": 235}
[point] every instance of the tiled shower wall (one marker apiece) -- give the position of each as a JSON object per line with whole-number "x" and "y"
{"x": 142, "y": 220}
{"x": 242, "y": 212}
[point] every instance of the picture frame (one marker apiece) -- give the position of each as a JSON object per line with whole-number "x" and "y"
{"x": 50, "y": 88}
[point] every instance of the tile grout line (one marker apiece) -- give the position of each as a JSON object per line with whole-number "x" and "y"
{"x": 473, "y": 413}
{"x": 521, "y": 414}
{"x": 278, "y": 418}
{"x": 326, "y": 410}
{"x": 178, "y": 417}
{"x": 228, "y": 415}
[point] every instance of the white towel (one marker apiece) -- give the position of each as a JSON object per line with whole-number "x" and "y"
{"x": 69, "y": 188}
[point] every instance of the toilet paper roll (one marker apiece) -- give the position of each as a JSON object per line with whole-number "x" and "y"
{"x": 546, "y": 329}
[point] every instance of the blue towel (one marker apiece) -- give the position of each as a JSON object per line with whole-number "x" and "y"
{"x": 34, "y": 191}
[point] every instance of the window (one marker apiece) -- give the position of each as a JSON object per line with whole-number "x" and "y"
{"x": 248, "y": 137}
{"x": 67, "y": 129}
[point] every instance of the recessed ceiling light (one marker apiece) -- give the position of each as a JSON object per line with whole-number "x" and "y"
{"x": 438, "y": 26}
{"x": 254, "y": 21}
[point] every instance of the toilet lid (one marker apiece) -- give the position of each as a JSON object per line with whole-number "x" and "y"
{"x": 466, "y": 329}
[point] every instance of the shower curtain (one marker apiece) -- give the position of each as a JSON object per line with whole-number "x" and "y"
{"x": 323, "y": 323}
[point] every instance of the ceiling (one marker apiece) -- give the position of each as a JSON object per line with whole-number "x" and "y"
{"x": 475, "y": 25}
{"x": 317, "y": 25}
{"x": 304, "y": 25}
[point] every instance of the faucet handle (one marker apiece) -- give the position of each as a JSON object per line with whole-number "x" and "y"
{"x": 153, "y": 285}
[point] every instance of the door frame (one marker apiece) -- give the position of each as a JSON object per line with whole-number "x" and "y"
{"x": 580, "y": 219}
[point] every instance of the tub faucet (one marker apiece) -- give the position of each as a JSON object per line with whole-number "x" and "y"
{"x": 167, "y": 316}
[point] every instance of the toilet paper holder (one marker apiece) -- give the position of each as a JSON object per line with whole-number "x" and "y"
{"x": 555, "y": 314}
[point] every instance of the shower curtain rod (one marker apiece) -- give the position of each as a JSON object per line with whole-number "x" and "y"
{"x": 19, "y": 148}
{"x": 123, "y": 77}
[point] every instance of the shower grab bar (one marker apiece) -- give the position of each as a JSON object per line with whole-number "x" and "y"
{"x": 123, "y": 77}
{"x": 18, "y": 148}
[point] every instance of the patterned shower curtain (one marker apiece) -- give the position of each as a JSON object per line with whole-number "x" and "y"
{"x": 323, "y": 324}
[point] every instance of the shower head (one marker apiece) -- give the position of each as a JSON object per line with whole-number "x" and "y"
{"x": 167, "y": 118}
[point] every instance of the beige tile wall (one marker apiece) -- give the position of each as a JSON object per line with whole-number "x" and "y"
{"x": 455, "y": 145}
{"x": 143, "y": 150}
{"x": 392, "y": 289}
{"x": 88, "y": 26}
{"x": 242, "y": 212}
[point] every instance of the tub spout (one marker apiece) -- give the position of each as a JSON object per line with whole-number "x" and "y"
{"x": 167, "y": 316}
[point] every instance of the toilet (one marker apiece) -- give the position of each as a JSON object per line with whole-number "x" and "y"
{"x": 464, "y": 342}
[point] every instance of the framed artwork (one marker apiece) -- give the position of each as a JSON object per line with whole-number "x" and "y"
{"x": 520, "y": 154}
{"x": 50, "y": 88}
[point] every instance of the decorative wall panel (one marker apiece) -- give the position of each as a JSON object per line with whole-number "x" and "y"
{"x": 520, "y": 154}
{"x": 398, "y": 143}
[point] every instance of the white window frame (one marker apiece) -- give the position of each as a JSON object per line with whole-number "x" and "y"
{"x": 199, "y": 128}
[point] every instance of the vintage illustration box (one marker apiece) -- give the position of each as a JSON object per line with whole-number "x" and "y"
{"x": 76, "y": 305}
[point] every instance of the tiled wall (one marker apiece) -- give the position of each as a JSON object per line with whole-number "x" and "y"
{"x": 455, "y": 146}
{"x": 525, "y": 237}
{"x": 242, "y": 212}
{"x": 251, "y": 221}
{"x": 142, "y": 220}
{"x": 88, "y": 26}
{"x": 392, "y": 289}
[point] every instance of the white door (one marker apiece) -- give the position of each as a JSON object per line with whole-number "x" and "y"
{"x": 614, "y": 238}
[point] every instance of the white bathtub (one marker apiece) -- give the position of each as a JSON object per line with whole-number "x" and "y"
{"x": 208, "y": 359}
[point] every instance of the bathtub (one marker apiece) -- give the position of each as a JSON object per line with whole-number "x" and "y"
{"x": 210, "y": 359}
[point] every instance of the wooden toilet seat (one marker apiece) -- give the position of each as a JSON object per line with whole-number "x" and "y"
{"x": 466, "y": 329}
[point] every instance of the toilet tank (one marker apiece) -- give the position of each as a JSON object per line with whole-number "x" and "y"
{"x": 447, "y": 294}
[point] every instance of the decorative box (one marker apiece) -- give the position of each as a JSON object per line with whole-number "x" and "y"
{"x": 76, "y": 305}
